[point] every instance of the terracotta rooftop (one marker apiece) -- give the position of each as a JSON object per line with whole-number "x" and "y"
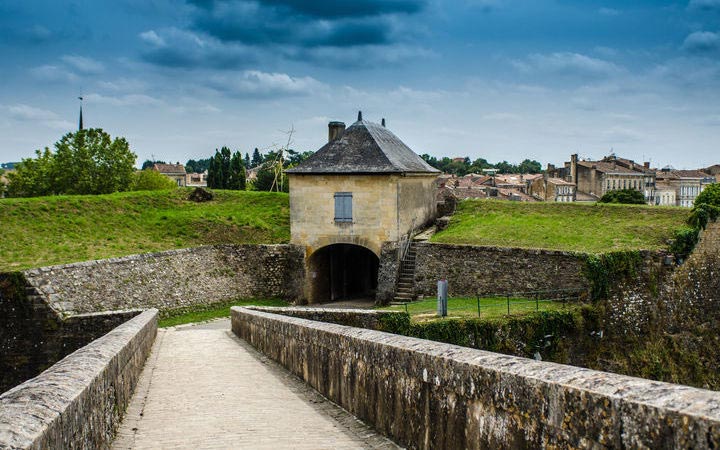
{"x": 364, "y": 147}
{"x": 169, "y": 168}
{"x": 560, "y": 182}
{"x": 677, "y": 174}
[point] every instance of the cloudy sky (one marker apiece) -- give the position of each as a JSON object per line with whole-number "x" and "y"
{"x": 498, "y": 79}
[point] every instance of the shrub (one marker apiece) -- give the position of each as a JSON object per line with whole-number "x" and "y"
{"x": 625, "y": 196}
{"x": 151, "y": 180}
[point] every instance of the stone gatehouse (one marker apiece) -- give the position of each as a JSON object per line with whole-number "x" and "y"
{"x": 363, "y": 188}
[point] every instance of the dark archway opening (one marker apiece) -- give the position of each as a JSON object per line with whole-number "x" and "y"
{"x": 343, "y": 272}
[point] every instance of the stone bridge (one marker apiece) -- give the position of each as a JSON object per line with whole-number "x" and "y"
{"x": 279, "y": 380}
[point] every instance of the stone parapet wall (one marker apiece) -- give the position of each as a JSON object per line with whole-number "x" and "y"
{"x": 79, "y": 402}
{"x": 472, "y": 270}
{"x": 360, "y": 318}
{"x": 172, "y": 279}
{"x": 33, "y": 336}
{"x": 425, "y": 394}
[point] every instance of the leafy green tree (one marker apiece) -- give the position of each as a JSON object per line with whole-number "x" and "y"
{"x": 199, "y": 166}
{"x": 151, "y": 180}
{"x": 707, "y": 207}
{"x": 625, "y": 196}
{"x": 528, "y": 166}
{"x": 247, "y": 160}
{"x": 85, "y": 162}
{"x": 709, "y": 196}
{"x": 91, "y": 162}
{"x": 33, "y": 177}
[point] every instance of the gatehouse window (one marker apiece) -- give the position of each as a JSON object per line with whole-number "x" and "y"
{"x": 343, "y": 207}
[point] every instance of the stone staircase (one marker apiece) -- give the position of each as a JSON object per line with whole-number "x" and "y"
{"x": 405, "y": 291}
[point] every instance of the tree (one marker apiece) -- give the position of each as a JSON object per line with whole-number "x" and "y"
{"x": 199, "y": 166}
{"x": 236, "y": 173}
{"x": 151, "y": 180}
{"x": 226, "y": 170}
{"x": 147, "y": 164}
{"x": 85, "y": 162}
{"x": 709, "y": 196}
{"x": 247, "y": 160}
{"x": 33, "y": 177}
{"x": 257, "y": 158}
{"x": 624, "y": 196}
{"x": 528, "y": 166}
{"x": 706, "y": 207}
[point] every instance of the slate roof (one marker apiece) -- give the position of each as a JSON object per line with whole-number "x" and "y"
{"x": 608, "y": 167}
{"x": 364, "y": 148}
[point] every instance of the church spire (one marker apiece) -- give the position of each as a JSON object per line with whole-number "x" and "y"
{"x": 80, "y": 124}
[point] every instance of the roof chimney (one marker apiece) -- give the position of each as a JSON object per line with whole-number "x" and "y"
{"x": 335, "y": 130}
{"x": 383, "y": 122}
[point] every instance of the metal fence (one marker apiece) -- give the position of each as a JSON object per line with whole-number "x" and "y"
{"x": 488, "y": 305}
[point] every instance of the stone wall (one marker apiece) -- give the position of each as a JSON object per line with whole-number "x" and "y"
{"x": 388, "y": 272}
{"x": 425, "y": 394}
{"x": 472, "y": 270}
{"x": 172, "y": 279}
{"x": 33, "y": 337}
{"x": 79, "y": 402}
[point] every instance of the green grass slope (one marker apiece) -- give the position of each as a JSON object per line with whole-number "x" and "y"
{"x": 45, "y": 231}
{"x": 594, "y": 228}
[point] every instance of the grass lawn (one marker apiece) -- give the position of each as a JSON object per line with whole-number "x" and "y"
{"x": 62, "y": 229}
{"x": 594, "y": 228}
{"x": 201, "y": 314}
{"x": 466, "y": 308}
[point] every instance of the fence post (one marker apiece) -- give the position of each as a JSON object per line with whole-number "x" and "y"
{"x": 478, "y": 302}
{"x": 508, "y": 303}
{"x": 442, "y": 298}
{"x": 537, "y": 302}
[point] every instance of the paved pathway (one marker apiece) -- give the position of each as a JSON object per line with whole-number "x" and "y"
{"x": 202, "y": 387}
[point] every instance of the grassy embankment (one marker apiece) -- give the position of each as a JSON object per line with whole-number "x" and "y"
{"x": 597, "y": 228}
{"x": 44, "y": 231}
{"x": 474, "y": 308}
{"x": 215, "y": 311}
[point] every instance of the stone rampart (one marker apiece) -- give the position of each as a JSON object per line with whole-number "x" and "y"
{"x": 33, "y": 337}
{"x": 425, "y": 394}
{"x": 78, "y": 402}
{"x": 172, "y": 279}
{"x": 472, "y": 270}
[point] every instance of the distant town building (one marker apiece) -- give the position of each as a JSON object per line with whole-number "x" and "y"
{"x": 196, "y": 179}
{"x": 713, "y": 170}
{"x": 665, "y": 194}
{"x": 595, "y": 178}
{"x": 175, "y": 172}
{"x": 552, "y": 189}
{"x": 687, "y": 184}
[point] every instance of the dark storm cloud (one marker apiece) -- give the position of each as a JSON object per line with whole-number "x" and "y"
{"x": 181, "y": 49}
{"x": 229, "y": 33}
{"x": 300, "y": 24}
{"x": 330, "y": 9}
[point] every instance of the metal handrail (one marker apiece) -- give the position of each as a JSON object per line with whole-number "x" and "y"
{"x": 405, "y": 241}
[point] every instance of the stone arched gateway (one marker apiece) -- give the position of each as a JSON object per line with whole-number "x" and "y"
{"x": 342, "y": 272}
